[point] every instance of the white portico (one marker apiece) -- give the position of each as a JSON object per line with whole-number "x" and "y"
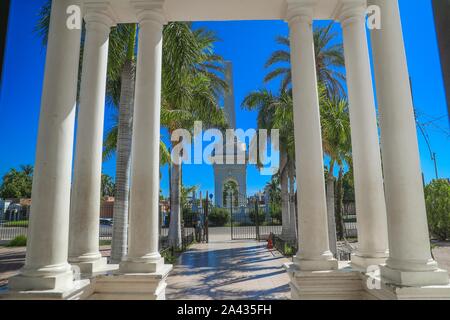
{"x": 390, "y": 204}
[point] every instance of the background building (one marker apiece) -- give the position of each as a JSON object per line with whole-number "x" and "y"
{"x": 224, "y": 173}
{"x": 442, "y": 18}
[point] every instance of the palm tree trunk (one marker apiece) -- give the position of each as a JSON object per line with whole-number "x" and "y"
{"x": 175, "y": 207}
{"x": 292, "y": 215}
{"x": 330, "y": 211}
{"x": 340, "y": 205}
{"x": 284, "y": 193}
{"x": 125, "y": 127}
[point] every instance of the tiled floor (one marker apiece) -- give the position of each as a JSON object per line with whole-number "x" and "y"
{"x": 229, "y": 270}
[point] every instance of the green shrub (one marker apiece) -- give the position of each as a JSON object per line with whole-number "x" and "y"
{"x": 275, "y": 211}
{"x": 261, "y": 217}
{"x": 19, "y": 241}
{"x": 168, "y": 256}
{"x": 219, "y": 217}
{"x": 105, "y": 242}
{"x": 289, "y": 250}
{"x": 437, "y": 198}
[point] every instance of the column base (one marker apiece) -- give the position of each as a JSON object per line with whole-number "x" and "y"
{"x": 141, "y": 266}
{"x": 132, "y": 286}
{"x": 362, "y": 263}
{"x": 80, "y": 290}
{"x": 342, "y": 284}
{"x": 436, "y": 277}
{"x": 58, "y": 278}
{"x": 92, "y": 268}
{"x": 382, "y": 290}
{"x": 328, "y": 263}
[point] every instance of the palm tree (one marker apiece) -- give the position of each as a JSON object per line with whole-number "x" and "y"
{"x": 191, "y": 86}
{"x": 120, "y": 90}
{"x": 329, "y": 59}
{"x": 185, "y": 192}
{"x": 273, "y": 188}
{"x": 273, "y": 113}
{"x": 27, "y": 169}
{"x": 335, "y": 122}
{"x": 107, "y": 186}
{"x": 274, "y": 191}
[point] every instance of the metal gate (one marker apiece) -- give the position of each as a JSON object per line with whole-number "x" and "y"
{"x": 252, "y": 222}
{"x": 194, "y": 222}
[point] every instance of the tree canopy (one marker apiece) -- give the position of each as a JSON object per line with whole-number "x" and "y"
{"x": 17, "y": 183}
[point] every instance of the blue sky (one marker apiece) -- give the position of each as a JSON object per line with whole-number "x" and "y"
{"x": 247, "y": 45}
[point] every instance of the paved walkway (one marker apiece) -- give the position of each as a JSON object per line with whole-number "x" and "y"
{"x": 229, "y": 270}
{"x": 222, "y": 269}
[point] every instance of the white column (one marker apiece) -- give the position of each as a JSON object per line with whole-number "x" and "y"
{"x": 143, "y": 253}
{"x": 410, "y": 262}
{"x": 373, "y": 247}
{"x": 85, "y": 202}
{"x": 46, "y": 264}
{"x": 314, "y": 252}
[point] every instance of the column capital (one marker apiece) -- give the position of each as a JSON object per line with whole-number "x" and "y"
{"x": 348, "y": 11}
{"x": 99, "y": 13}
{"x": 150, "y": 11}
{"x": 300, "y": 11}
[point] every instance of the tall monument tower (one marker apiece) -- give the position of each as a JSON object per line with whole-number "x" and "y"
{"x": 224, "y": 173}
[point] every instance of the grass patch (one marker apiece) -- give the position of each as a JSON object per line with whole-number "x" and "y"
{"x": 105, "y": 242}
{"x": 19, "y": 241}
{"x": 20, "y": 223}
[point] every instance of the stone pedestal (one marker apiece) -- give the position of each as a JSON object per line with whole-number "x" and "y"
{"x": 389, "y": 291}
{"x": 342, "y": 284}
{"x": 80, "y": 290}
{"x": 93, "y": 268}
{"x": 132, "y": 286}
{"x": 348, "y": 283}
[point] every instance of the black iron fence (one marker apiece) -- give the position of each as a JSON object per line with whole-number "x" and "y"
{"x": 287, "y": 248}
{"x": 13, "y": 221}
{"x": 349, "y": 220}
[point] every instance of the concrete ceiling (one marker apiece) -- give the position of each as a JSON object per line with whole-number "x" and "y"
{"x": 221, "y": 10}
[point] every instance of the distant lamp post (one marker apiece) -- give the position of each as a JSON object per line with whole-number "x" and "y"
{"x": 433, "y": 154}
